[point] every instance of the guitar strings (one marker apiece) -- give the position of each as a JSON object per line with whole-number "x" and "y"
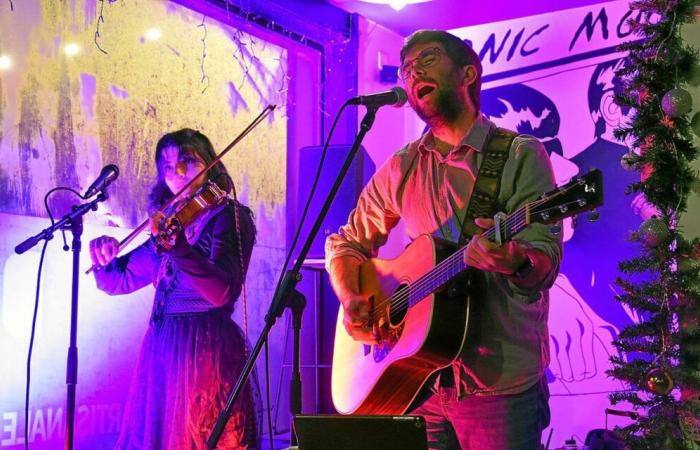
{"x": 399, "y": 298}
{"x": 442, "y": 268}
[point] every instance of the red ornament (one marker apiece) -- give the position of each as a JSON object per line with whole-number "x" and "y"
{"x": 667, "y": 121}
{"x": 645, "y": 173}
{"x": 647, "y": 145}
{"x": 642, "y": 95}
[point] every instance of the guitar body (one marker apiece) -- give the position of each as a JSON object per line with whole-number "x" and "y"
{"x": 385, "y": 378}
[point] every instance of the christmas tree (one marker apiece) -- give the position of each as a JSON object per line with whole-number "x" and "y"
{"x": 659, "y": 356}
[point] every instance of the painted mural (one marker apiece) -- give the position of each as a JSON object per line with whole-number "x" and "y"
{"x": 553, "y": 77}
{"x": 85, "y": 83}
{"x": 93, "y": 82}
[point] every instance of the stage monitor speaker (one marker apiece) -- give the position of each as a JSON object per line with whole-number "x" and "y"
{"x": 360, "y": 432}
{"x": 358, "y": 174}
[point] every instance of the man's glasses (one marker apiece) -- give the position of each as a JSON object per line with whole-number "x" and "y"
{"x": 425, "y": 59}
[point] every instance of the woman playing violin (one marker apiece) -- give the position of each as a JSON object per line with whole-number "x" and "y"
{"x": 192, "y": 352}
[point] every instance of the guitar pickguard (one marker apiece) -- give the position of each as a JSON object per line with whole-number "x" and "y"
{"x": 389, "y": 338}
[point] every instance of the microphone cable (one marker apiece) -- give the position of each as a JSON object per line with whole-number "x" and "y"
{"x": 36, "y": 311}
{"x": 290, "y": 252}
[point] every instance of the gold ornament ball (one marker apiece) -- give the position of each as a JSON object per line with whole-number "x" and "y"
{"x": 628, "y": 161}
{"x": 653, "y": 232}
{"x": 677, "y": 102}
{"x": 659, "y": 381}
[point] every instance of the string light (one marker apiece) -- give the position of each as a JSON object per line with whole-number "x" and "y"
{"x": 5, "y": 62}
{"x": 153, "y": 34}
{"x": 241, "y": 61}
{"x": 100, "y": 19}
{"x": 330, "y": 42}
{"x": 71, "y": 49}
{"x": 205, "y": 77}
{"x": 397, "y": 5}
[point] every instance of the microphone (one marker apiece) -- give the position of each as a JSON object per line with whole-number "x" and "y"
{"x": 108, "y": 174}
{"x": 395, "y": 97}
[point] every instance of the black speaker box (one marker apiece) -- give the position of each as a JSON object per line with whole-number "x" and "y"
{"x": 360, "y": 432}
{"x": 358, "y": 174}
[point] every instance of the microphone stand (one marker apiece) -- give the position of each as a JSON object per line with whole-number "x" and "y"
{"x": 72, "y": 221}
{"x": 287, "y": 296}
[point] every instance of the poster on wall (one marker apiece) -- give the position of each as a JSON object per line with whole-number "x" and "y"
{"x": 84, "y": 84}
{"x": 553, "y": 76}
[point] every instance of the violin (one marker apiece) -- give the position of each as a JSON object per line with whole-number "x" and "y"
{"x": 168, "y": 226}
{"x": 165, "y": 228}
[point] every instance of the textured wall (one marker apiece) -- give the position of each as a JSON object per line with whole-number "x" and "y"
{"x": 62, "y": 118}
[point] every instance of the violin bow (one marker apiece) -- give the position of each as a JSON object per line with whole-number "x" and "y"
{"x": 124, "y": 242}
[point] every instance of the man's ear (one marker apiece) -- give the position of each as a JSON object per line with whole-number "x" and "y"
{"x": 469, "y": 75}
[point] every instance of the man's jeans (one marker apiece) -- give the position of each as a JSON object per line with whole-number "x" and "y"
{"x": 502, "y": 422}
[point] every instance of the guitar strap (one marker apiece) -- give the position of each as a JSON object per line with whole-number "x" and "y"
{"x": 482, "y": 202}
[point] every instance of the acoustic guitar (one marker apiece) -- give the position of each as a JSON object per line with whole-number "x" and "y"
{"x": 421, "y": 324}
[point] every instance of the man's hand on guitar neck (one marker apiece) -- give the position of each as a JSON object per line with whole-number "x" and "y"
{"x": 488, "y": 256}
{"x": 345, "y": 280}
{"x": 508, "y": 259}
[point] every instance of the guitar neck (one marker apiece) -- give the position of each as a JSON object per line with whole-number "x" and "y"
{"x": 454, "y": 264}
{"x": 580, "y": 194}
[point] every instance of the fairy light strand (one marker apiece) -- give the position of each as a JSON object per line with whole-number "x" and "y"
{"x": 100, "y": 19}
{"x": 205, "y": 77}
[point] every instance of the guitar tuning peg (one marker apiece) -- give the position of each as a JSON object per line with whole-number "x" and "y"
{"x": 555, "y": 230}
{"x": 593, "y": 215}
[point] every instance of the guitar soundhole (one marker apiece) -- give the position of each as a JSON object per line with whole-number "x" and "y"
{"x": 390, "y": 330}
{"x": 399, "y": 305}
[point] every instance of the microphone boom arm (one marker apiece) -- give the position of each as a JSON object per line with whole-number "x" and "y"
{"x": 47, "y": 233}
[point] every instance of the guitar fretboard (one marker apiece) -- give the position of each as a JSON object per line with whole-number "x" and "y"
{"x": 453, "y": 265}
{"x": 580, "y": 194}
{"x": 440, "y": 275}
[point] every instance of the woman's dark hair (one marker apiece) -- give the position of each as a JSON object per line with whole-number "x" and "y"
{"x": 458, "y": 51}
{"x": 192, "y": 142}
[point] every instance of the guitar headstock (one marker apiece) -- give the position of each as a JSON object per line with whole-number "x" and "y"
{"x": 582, "y": 193}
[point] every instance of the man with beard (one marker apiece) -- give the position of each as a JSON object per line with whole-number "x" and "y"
{"x": 493, "y": 395}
